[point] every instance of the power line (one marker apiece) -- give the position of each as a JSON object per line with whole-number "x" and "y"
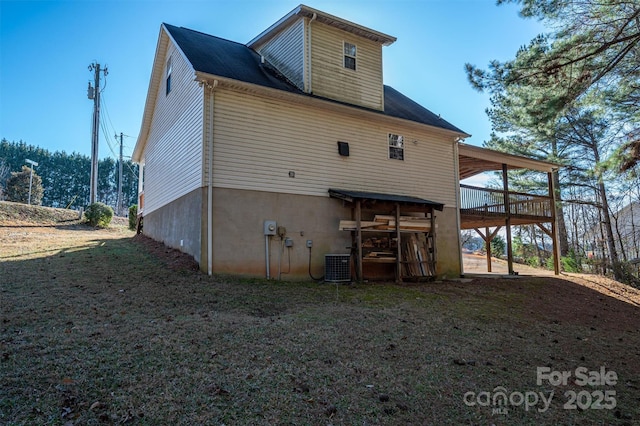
{"x": 106, "y": 109}
{"x": 103, "y": 126}
{"x": 107, "y": 136}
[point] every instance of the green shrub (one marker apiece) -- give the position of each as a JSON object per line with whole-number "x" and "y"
{"x": 133, "y": 216}
{"x": 533, "y": 262}
{"x": 17, "y": 187}
{"x": 549, "y": 264}
{"x": 571, "y": 262}
{"x": 99, "y": 214}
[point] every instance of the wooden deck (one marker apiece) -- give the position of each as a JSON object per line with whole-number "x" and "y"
{"x": 483, "y": 207}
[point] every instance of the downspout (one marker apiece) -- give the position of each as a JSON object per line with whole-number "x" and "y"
{"x": 210, "y": 183}
{"x": 140, "y": 186}
{"x": 456, "y": 154}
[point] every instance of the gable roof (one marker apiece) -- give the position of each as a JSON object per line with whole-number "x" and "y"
{"x": 303, "y": 11}
{"x": 224, "y": 58}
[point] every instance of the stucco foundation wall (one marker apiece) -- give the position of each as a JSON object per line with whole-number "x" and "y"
{"x": 176, "y": 221}
{"x": 447, "y": 244}
{"x": 239, "y": 241}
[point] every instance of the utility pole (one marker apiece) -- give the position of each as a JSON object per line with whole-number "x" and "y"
{"x": 120, "y": 195}
{"x": 94, "y": 93}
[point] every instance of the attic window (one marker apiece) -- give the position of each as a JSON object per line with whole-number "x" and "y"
{"x": 396, "y": 147}
{"x": 168, "y": 75}
{"x": 350, "y": 56}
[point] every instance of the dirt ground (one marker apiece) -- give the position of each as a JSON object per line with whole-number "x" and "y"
{"x": 476, "y": 265}
{"x": 99, "y": 326}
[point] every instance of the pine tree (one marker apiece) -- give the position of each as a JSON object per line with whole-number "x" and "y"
{"x": 18, "y": 185}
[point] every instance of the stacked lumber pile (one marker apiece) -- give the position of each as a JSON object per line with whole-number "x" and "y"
{"x": 418, "y": 256}
{"x": 417, "y": 251}
{"x": 388, "y": 223}
{"x": 380, "y": 249}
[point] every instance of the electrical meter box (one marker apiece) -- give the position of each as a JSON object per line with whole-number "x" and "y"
{"x": 270, "y": 227}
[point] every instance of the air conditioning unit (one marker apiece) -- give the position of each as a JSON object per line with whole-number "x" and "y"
{"x": 337, "y": 267}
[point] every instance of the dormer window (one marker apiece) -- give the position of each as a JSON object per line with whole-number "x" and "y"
{"x": 168, "y": 75}
{"x": 350, "y": 56}
{"x": 396, "y": 147}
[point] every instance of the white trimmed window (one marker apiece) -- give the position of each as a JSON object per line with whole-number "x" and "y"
{"x": 350, "y": 51}
{"x": 396, "y": 147}
{"x": 168, "y": 75}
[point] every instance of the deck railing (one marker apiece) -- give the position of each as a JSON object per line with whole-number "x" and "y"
{"x": 491, "y": 202}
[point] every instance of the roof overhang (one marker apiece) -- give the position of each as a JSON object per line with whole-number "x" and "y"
{"x": 303, "y": 11}
{"x": 320, "y": 102}
{"x": 152, "y": 94}
{"x": 374, "y": 197}
{"x": 474, "y": 160}
{"x": 164, "y": 38}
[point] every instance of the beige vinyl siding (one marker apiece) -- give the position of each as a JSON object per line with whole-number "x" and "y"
{"x": 286, "y": 52}
{"x": 258, "y": 141}
{"x": 173, "y": 154}
{"x": 332, "y": 80}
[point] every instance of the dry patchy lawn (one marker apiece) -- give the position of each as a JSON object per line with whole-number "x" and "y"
{"x": 101, "y": 327}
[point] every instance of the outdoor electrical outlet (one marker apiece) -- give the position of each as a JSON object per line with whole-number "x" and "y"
{"x": 309, "y": 243}
{"x": 288, "y": 242}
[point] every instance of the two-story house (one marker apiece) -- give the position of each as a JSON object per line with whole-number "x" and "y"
{"x": 263, "y": 158}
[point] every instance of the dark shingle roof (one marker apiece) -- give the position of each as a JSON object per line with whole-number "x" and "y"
{"x": 224, "y": 58}
{"x": 398, "y": 105}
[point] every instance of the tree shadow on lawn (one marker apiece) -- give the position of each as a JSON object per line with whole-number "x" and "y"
{"x": 126, "y": 330}
{"x": 70, "y": 224}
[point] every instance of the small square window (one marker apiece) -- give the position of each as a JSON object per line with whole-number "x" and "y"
{"x": 350, "y": 51}
{"x": 396, "y": 147}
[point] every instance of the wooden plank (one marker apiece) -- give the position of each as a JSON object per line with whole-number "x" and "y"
{"x": 406, "y": 225}
{"x": 416, "y": 255}
{"x": 412, "y": 253}
{"x": 381, "y": 254}
{"x": 423, "y": 255}
{"x": 352, "y": 225}
{"x": 405, "y": 217}
{"x": 379, "y": 260}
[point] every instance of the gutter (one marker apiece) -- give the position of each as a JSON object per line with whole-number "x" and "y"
{"x": 320, "y": 102}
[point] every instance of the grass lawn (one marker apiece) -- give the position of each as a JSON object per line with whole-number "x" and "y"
{"x": 98, "y": 326}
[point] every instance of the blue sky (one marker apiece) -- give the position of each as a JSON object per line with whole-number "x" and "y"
{"x": 47, "y": 46}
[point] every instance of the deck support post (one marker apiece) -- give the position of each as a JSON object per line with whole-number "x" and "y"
{"x": 487, "y": 242}
{"x": 554, "y": 227}
{"x": 399, "y": 248}
{"x": 359, "y": 276}
{"x": 507, "y": 220}
{"x": 488, "y": 237}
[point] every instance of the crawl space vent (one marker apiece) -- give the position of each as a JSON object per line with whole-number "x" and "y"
{"x": 337, "y": 267}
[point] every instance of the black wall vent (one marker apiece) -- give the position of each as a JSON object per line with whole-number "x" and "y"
{"x": 343, "y": 149}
